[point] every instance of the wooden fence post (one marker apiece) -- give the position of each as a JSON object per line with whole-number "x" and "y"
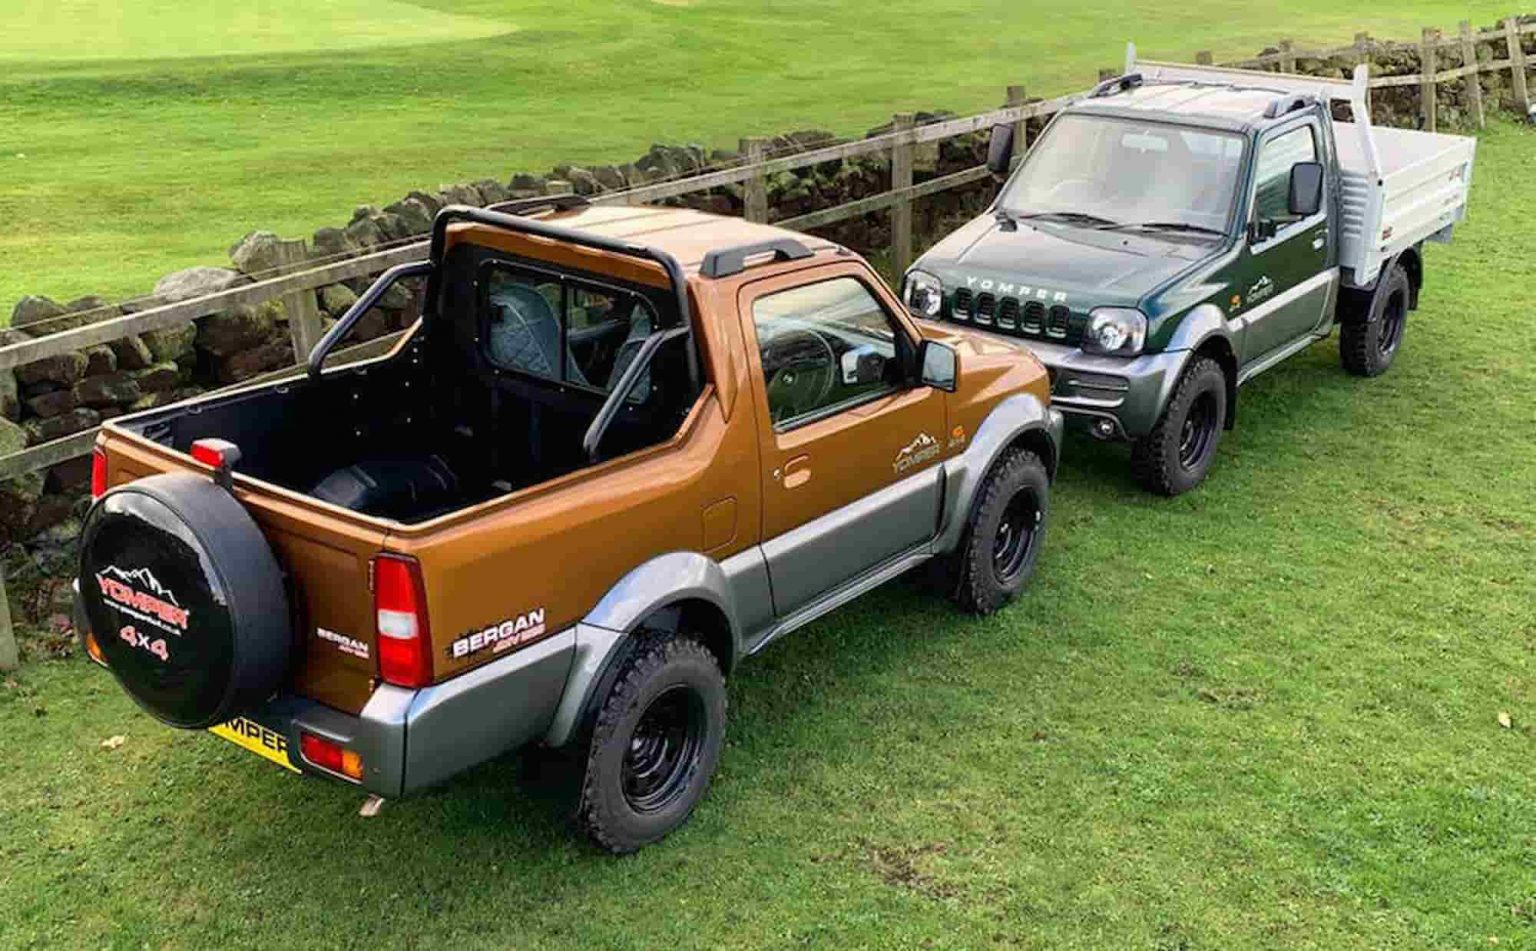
{"x": 1517, "y": 66}
{"x": 901, "y": 211}
{"x": 1204, "y": 58}
{"x": 10, "y": 656}
{"x": 1108, "y": 72}
{"x": 1287, "y": 56}
{"x": 1016, "y": 97}
{"x": 1428, "y": 101}
{"x": 1474, "y": 80}
{"x": 756, "y": 195}
{"x": 304, "y": 324}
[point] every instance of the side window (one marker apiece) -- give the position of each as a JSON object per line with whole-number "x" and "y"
{"x": 1272, "y": 176}
{"x": 565, "y": 330}
{"x": 826, "y": 346}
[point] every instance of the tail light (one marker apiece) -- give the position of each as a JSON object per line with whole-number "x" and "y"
{"x": 332, "y": 756}
{"x": 98, "y": 473}
{"x": 400, "y": 604}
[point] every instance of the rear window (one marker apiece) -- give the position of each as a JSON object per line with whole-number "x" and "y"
{"x": 561, "y": 328}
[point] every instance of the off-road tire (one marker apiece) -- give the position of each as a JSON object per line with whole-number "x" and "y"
{"x": 1367, "y": 347}
{"x": 976, "y": 579}
{"x": 674, "y": 666}
{"x": 1165, "y": 461}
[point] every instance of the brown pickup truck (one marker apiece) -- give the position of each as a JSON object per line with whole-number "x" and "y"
{"x": 623, "y": 449}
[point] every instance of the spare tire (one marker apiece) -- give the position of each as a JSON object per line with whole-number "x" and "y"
{"x": 185, "y": 599}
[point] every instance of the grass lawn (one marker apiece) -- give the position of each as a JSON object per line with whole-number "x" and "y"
{"x": 140, "y": 136}
{"x": 1264, "y": 715}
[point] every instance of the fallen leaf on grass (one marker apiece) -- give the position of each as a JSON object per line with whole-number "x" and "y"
{"x": 1505, "y": 721}
{"x": 113, "y": 742}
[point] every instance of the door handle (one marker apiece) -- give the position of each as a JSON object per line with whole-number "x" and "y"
{"x": 1319, "y": 240}
{"x": 797, "y": 472}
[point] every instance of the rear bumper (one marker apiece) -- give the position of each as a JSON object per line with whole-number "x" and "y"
{"x": 410, "y": 739}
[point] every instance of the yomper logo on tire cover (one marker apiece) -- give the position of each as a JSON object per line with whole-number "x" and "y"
{"x": 185, "y": 599}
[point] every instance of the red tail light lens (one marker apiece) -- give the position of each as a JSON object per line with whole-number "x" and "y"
{"x": 98, "y": 473}
{"x": 216, "y": 453}
{"x": 400, "y": 604}
{"x": 327, "y": 754}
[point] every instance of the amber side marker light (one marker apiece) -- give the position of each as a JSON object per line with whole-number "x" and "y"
{"x": 94, "y": 649}
{"x": 331, "y": 756}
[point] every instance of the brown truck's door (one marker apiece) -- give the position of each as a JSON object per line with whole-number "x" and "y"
{"x": 849, "y": 445}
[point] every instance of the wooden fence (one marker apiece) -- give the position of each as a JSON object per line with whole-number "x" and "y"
{"x": 299, "y": 280}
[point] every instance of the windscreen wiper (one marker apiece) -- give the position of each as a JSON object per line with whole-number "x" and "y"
{"x": 1074, "y": 217}
{"x": 1174, "y": 226}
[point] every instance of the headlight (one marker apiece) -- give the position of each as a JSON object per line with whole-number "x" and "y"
{"x": 924, "y": 294}
{"x": 1116, "y": 330}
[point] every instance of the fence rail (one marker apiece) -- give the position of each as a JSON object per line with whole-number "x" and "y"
{"x": 899, "y": 144}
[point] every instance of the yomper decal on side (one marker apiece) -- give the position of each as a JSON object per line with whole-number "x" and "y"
{"x": 499, "y": 637}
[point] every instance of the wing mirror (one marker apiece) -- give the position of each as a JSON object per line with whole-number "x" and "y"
{"x": 938, "y": 365}
{"x": 1000, "y": 151}
{"x": 1306, "y": 194}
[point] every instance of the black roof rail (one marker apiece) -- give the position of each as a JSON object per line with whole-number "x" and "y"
{"x": 527, "y": 206}
{"x": 1287, "y": 104}
{"x": 724, "y": 262}
{"x": 544, "y": 229}
{"x": 1118, "y": 84}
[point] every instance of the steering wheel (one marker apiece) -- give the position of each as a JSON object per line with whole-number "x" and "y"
{"x": 804, "y": 369}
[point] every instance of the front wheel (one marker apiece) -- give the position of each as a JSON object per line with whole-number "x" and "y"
{"x": 1367, "y": 348}
{"x": 655, "y": 743}
{"x": 1175, "y": 456}
{"x": 1001, "y": 542}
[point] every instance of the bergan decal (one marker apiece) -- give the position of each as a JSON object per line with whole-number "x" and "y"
{"x": 500, "y": 637}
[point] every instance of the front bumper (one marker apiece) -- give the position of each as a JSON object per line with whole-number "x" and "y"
{"x": 1130, "y": 393}
{"x": 450, "y": 726}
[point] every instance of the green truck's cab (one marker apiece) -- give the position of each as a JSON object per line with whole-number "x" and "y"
{"x": 1165, "y": 241}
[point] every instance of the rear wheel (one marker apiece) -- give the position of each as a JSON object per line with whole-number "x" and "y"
{"x": 1001, "y": 543}
{"x": 1367, "y": 347}
{"x": 654, "y": 744}
{"x": 1175, "y": 456}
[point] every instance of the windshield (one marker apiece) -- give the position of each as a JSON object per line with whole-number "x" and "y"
{"x": 1109, "y": 172}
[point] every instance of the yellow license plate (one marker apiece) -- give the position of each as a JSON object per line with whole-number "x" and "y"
{"x": 262, "y": 741}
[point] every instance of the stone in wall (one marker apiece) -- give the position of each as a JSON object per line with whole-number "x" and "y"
{"x": 131, "y": 353}
{"x": 41, "y": 430}
{"x": 225, "y": 334}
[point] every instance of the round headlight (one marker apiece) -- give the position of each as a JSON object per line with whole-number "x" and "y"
{"x": 925, "y": 294}
{"x": 1117, "y": 330}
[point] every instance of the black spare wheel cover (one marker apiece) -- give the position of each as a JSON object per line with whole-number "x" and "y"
{"x": 185, "y": 599}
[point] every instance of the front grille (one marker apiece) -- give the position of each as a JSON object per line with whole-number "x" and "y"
{"x": 986, "y": 307}
{"x": 960, "y": 305}
{"x": 1027, "y": 317}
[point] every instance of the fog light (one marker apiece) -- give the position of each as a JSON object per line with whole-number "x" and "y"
{"x": 1103, "y": 428}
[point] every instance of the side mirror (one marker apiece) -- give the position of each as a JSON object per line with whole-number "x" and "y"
{"x": 1000, "y": 151}
{"x": 938, "y": 365}
{"x": 1306, "y": 194}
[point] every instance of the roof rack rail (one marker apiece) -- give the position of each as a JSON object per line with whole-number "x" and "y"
{"x": 564, "y": 201}
{"x": 724, "y": 262}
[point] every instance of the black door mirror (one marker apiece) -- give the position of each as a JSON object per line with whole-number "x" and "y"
{"x": 1000, "y": 151}
{"x": 1306, "y": 196}
{"x": 938, "y": 365}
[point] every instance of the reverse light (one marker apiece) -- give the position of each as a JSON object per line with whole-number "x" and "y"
{"x": 331, "y": 756}
{"x": 1120, "y": 331}
{"x": 98, "y": 472}
{"x": 924, "y": 294}
{"x": 400, "y": 605}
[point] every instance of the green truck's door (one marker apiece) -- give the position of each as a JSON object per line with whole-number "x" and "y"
{"x": 1285, "y": 282}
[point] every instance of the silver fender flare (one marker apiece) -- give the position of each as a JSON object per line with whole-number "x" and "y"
{"x": 1202, "y": 324}
{"x": 963, "y": 474}
{"x": 662, "y": 581}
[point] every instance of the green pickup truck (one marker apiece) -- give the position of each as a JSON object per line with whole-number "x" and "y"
{"x": 1181, "y": 229}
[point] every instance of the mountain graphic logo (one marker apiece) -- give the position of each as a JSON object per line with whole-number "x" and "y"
{"x": 144, "y": 579}
{"x": 920, "y": 449}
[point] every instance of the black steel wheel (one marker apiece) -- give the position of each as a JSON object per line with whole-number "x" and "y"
{"x": 1017, "y": 534}
{"x": 1175, "y": 456}
{"x": 1001, "y": 543}
{"x": 1368, "y": 343}
{"x": 654, "y": 743}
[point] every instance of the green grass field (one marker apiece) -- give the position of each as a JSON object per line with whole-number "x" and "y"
{"x": 140, "y": 137}
{"x": 1264, "y": 715}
